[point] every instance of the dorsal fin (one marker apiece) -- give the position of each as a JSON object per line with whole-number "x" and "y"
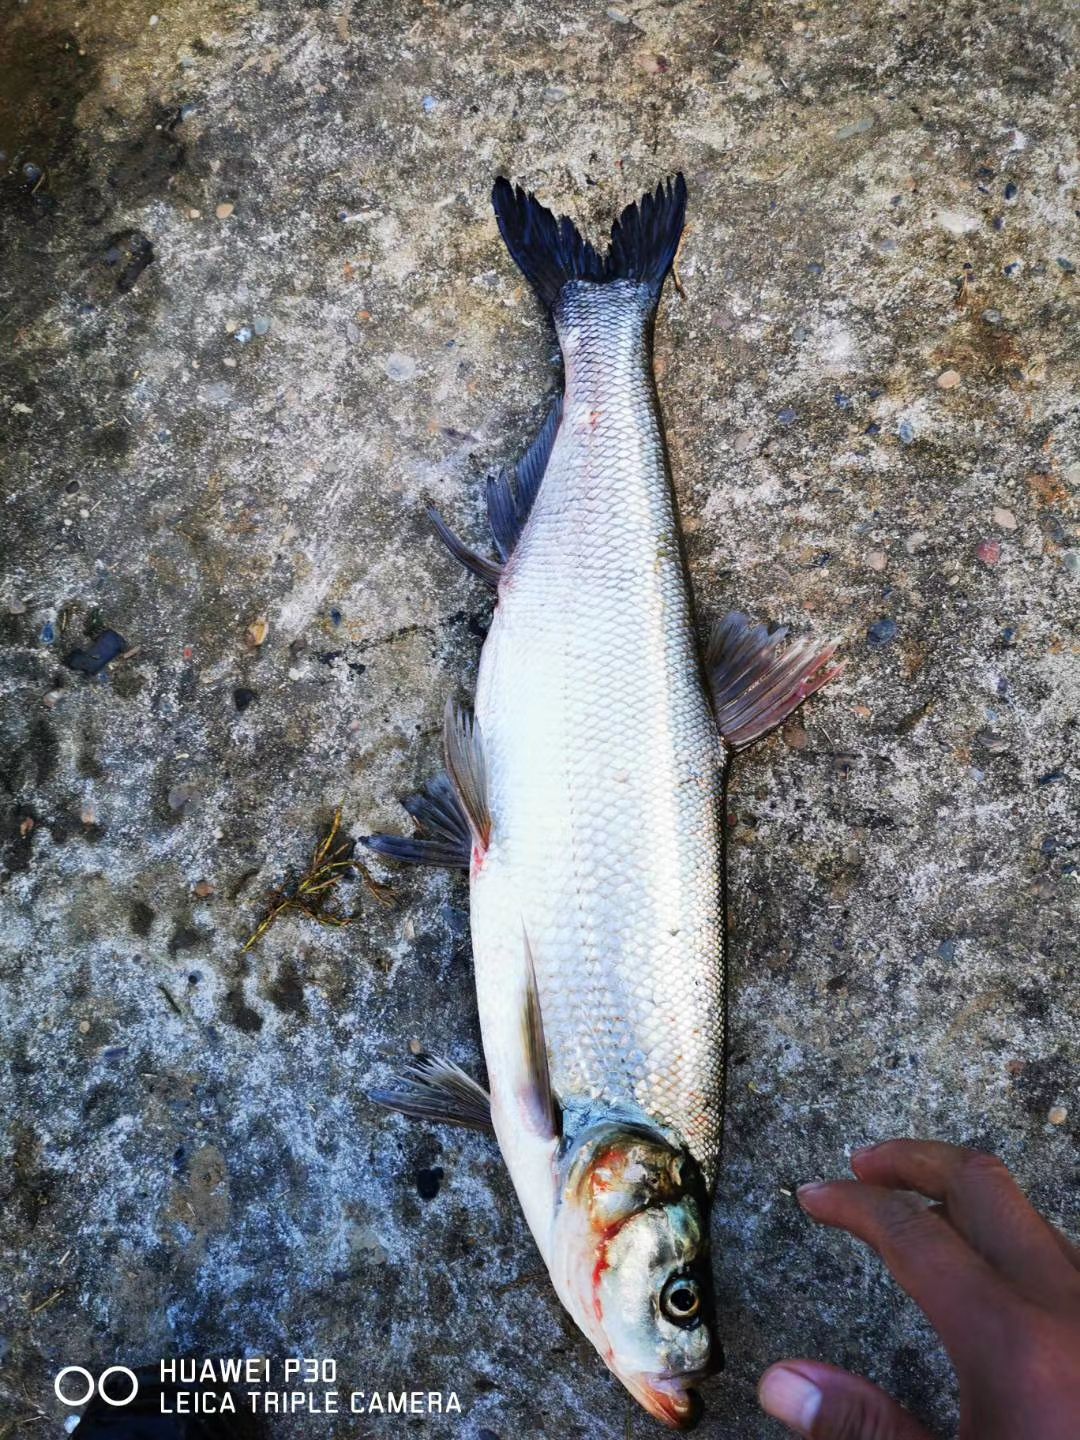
{"x": 755, "y": 685}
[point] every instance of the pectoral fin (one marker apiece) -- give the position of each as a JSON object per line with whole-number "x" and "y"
{"x": 539, "y": 1106}
{"x": 435, "y": 1089}
{"x": 755, "y": 685}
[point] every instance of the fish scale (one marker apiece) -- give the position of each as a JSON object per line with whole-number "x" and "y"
{"x": 603, "y": 758}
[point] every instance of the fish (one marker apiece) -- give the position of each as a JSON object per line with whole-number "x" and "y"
{"x": 583, "y": 794}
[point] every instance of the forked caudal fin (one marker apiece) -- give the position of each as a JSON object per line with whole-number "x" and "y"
{"x": 551, "y": 252}
{"x": 755, "y": 685}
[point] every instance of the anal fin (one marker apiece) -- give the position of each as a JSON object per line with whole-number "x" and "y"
{"x": 432, "y": 1088}
{"x": 487, "y": 570}
{"x": 511, "y": 495}
{"x": 755, "y": 685}
{"x": 443, "y": 836}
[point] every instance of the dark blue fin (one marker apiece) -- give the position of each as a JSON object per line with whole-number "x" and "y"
{"x": 435, "y": 1089}
{"x": 468, "y": 770}
{"x": 645, "y": 238}
{"x": 755, "y": 685}
{"x": 548, "y": 252}
{"x": 488, "y": 570}
{"x": 503, "y": 514}
{"x": 511, "y": 498}
{"x": 551, "y": 253}
{"x": 443, "y": 837}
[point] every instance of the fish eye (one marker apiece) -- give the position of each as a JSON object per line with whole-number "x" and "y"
{"x": 680, "y": 1300}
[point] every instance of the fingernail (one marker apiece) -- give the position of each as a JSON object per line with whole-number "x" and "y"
{"x": 810, "y": 1189}
{"x": 788, "y": 1396}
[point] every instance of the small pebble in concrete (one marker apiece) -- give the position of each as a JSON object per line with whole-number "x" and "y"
{"x": 430, "y": 104}
{"x": 261, "y": 324}
{"x": 992, "y": 742}
{"x": 862, "y": 126}
{"x": 1057, "y": 1115}
{"x": 1066, "y": 265}
{"x": 1005, "y": 518}
{"x": 243, "y": 697}
{"x": 877, "y": 560}
{"x": 257, "y": 632}
{"x": 97, "y": 655}
{"x": 399, "y": 367}
{"x": 883, "y": 632}
{"x": 179, "y": 796}
{"x": 957, "y": 223}
{"x": 224, "y": 210}
{"x": 989, "y": 552}
{"x": 948, "y": 380}
{"x": 906, "y": 431}
{"x": 787, "y": 416}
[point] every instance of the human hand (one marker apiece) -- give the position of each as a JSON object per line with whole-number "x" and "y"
{"x": 999, "y": 1284}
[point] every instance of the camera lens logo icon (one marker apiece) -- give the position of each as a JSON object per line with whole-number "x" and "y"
{"x": 84, "y": 1378}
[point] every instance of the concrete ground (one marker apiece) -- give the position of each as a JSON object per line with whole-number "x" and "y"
{"x": 256, "y": 312}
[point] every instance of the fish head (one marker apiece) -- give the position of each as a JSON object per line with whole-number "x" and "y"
{"x": 630, "y": 1261}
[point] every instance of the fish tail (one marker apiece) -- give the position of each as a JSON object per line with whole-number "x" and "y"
{"x": 551, "y": 253}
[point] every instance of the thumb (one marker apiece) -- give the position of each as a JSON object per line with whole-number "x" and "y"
{"x": 822, "y": 1402}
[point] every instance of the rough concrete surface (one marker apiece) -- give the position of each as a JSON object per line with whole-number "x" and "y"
{"x": 256, "y": 312}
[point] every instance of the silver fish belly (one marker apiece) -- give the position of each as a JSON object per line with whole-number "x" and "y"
{"x": 603, "y": 757}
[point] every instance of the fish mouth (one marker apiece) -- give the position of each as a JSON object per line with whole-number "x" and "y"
{"x": 668, "y": 1398}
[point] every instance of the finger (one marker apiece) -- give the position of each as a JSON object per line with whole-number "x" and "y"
{"x": 956, "y": 1288}
{"x": 981, "y": 1199}
{"x": 821, "y": 1402}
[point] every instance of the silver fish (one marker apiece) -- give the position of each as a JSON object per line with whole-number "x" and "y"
{"x": 584, "y": 798}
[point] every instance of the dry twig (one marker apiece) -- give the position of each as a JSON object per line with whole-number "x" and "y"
{"x": 309, "y": 896}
